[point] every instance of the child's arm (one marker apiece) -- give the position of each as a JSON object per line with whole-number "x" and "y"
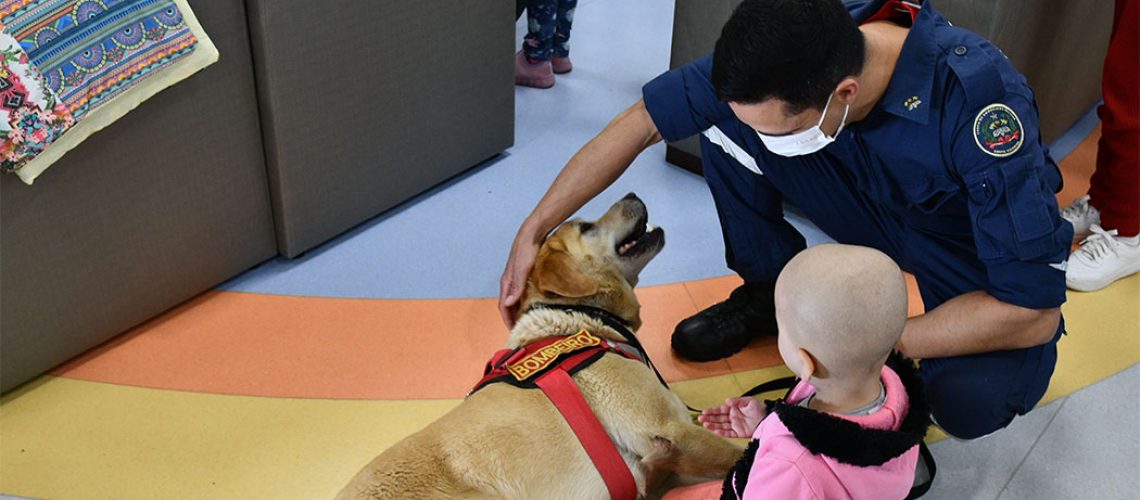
{"x": 736, "y": 418}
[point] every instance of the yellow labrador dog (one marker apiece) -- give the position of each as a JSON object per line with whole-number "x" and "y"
{"x": 509, "y": 442}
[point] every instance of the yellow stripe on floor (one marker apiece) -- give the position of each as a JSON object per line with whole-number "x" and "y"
{"x": 1103, "y": 338}
{"x": 73, "y": 439}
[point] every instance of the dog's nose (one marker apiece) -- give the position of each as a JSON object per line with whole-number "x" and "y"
{"x": 631, "y": 196}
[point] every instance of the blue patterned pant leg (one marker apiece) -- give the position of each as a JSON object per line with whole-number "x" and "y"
{"x": 562, "y": 33}
{"x": 541, "y": 16}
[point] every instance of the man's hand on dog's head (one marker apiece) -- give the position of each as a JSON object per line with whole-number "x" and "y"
{"x": 524, "y": 251}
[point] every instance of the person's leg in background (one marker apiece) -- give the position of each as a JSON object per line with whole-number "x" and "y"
{"x": 1113, "y": 252}
{"x": 532, "y": 63}
{"x": 561, "y": 57}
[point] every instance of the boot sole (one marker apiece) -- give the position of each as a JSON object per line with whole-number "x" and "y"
{"x": 704, "y": 354}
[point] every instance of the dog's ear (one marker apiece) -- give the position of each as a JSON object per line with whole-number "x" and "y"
{"x": 556, "y": 272}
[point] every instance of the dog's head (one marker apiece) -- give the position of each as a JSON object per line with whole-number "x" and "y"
{"x": 596, "y": 263}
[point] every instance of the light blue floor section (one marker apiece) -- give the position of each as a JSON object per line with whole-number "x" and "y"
{"x": 452, "y": 241}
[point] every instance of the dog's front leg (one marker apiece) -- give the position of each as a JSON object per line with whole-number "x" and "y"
{"x": 689, "y": 450}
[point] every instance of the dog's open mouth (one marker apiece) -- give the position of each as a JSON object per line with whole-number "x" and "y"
{"x": 644, "y": 236}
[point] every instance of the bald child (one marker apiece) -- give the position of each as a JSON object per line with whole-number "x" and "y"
{"x": 851, "y": 426}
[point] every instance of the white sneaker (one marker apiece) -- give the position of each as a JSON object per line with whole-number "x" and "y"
{"x": 1082, "y": 216}
{"x": 1102, "y": 258}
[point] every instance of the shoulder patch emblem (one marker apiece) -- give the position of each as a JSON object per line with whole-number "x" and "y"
{"x": 998, "y": 131}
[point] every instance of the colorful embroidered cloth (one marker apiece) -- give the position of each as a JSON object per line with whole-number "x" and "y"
{"x": 65, "y": 59}
{"x": 31, "y": 117}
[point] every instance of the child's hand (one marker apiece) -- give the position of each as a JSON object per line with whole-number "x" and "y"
{"x": 736, "y": 418}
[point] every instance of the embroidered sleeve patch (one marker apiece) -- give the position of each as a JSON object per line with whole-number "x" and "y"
{"x": 998, "y": 131}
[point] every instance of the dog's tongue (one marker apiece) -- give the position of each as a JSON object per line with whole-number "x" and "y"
{"x": 624, "y": 249}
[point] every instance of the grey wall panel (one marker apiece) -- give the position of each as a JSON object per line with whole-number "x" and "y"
{"x": 164, "y": 204}
{"x": 1058, "y": 45}
{"x": 696, "y": 26}
{"x": 366, "y": 104}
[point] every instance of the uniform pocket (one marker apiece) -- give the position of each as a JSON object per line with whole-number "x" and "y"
{"x": 984, "y": 198}
{"x": 1028, "y": 204}
{"x": 1010, "y": 214}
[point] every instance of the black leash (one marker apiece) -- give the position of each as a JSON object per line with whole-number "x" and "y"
{"x": 924, "y": 455}
{"x": 785, "y": 383}
{"x": 622, "y": 327}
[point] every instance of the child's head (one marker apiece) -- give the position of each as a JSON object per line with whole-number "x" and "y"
{"x": 840, "y": 311}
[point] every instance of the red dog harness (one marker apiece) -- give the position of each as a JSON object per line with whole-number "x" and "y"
{"x": 547, "y": 364}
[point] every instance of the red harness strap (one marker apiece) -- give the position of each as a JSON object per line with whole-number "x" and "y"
{"x": 521, "y": 366}
{"x": 547, "y": 364}
{"x": 564, "y": 393}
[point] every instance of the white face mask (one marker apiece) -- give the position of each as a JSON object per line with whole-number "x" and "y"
{"x": 806, "y": 142}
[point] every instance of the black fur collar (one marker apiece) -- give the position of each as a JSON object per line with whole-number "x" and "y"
{"x": 843, "y": 440}
{"x": 737, "y": 478}
{"x": 846, "y": 441}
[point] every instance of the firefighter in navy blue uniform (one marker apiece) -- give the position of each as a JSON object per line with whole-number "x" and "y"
{"x": 945, "y": 173}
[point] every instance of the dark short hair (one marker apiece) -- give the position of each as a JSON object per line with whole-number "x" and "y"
{"x": 796, "y": 51}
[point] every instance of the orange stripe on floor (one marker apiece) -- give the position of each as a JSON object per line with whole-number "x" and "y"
{"x": 307, "y": 347}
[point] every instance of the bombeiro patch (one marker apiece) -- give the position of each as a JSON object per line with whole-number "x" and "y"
{"x": 998, "y": 131}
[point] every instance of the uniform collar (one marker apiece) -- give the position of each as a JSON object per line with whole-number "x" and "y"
{"x": 908, "y": 93}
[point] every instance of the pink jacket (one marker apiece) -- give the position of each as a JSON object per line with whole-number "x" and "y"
{"x": 801, "y": 453}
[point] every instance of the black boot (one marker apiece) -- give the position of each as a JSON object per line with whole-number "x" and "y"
{"x": 725, "y": 328}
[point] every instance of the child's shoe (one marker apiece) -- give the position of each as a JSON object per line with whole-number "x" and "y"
{"x": 1102, "y": 258}
{"x": 561, "y": 65}
{"x": 1082, "y": 216}
{"x": 539, "y": 75}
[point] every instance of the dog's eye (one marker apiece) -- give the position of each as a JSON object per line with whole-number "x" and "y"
{"x": 585, "y": 227}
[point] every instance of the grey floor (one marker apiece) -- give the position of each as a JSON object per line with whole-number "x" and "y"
{"x": 1085, "y": 445}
